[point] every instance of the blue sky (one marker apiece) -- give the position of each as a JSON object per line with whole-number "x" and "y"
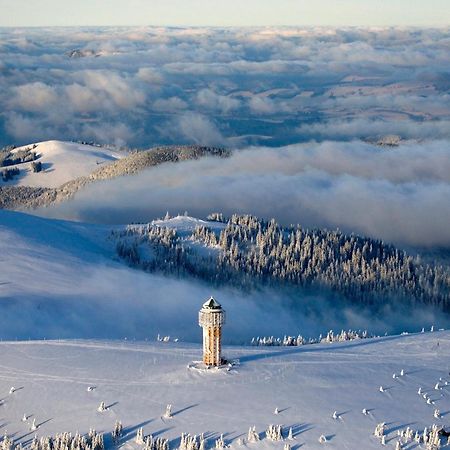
{"x": 225, "y": 12}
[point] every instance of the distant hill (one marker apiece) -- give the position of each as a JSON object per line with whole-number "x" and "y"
{"x": 60, "y": 162}
{"x": 68, "y": 167}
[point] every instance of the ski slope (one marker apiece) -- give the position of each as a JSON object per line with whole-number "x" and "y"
{"x": 61, "y": 162}
{"x": 136, "y": 380}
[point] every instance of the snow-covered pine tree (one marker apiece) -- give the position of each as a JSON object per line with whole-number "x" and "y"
{"x": 274, "y": 433}
{"x": 220, "y": 443}
{"x": 7, "y": 443}
{"x": 102, "y": 407}
{"x": 253, "y": 435}
{"x": 140, "y": 436}
{"x": 290, "y": 434}
{"x": 117, "y": 431}
{"x": 380, "y": 429}
{"x": 148, "y": 443}
{"x": 168, "y": 412}
{"x": 202, "y": 442}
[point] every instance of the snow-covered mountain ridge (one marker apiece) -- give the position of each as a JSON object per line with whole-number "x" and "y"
{"x": 65, "y": 168}
{"x": 308, "y": 385}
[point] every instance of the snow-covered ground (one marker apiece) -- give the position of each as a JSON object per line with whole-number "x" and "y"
{"x": 307, "y": 385}
{"x": 61, "y": 162}
{"x": 186, "y": 223}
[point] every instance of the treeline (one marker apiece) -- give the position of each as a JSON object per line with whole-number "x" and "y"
{"x": 249, "y": 251}
{"x": 12, "y": 197}
{"x": 297, "y": 341}
{"x": 62, "y": 441}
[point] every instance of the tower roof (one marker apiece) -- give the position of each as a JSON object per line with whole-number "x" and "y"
{"x": 211, "y": 304}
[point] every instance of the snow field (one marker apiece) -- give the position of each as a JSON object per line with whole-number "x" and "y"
{"x": 61, "y": 162}
{"x": 318, "y": 390}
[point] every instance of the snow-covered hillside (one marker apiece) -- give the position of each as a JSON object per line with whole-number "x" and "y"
{"x": 63, "y": 280}
{"x": 307, "y": 385}
{"x": 61, "y": 162}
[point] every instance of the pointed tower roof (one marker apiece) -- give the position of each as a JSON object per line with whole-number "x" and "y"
{"x": 211, "y": 304}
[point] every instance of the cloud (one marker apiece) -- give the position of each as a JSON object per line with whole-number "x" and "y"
{"x": 374, "y": 127}
{"x": 112, "y": 87}
{"x": 150, "y": 75}
{"x": 170, "y": 104}
{"x": 209, "y": 99}
{"x": 33, "y": 97}
{"x": 119, "y": 134}
{"x": 291, "y": 85}
{"x": 387, "y": 193}
{"x": 193, "y": 128}
{"x": 81, "y": 98}
{"x": 260, "y": 105}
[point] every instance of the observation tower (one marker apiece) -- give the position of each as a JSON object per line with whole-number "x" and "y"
{"x": 211, "y": 318}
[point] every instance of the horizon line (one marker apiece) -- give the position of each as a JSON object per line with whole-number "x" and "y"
{"x": 186, "y": 26}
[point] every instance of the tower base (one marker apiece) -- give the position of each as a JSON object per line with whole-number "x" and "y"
{"x": 201, "y": 366}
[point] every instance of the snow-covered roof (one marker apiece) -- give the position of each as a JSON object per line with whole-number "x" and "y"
{"x": 211, "y": 304}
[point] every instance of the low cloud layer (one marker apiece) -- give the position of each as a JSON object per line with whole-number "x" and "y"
{"x": 139, "y": 87}
{"x": 398, "y": 194}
